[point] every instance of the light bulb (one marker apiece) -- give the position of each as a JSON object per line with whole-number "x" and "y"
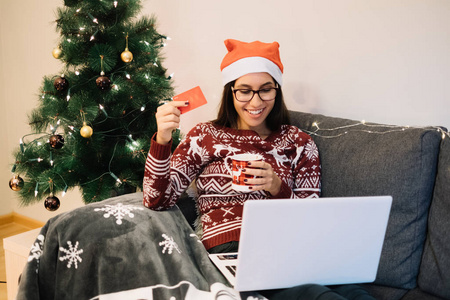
{"x": 65, "y": 191}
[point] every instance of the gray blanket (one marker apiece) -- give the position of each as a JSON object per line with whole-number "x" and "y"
{"x": 118, "y": 249}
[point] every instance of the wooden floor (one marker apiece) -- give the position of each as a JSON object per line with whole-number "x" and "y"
{"x": 7, "y": 230}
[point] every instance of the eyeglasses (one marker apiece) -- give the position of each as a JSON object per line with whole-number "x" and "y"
{"x": 246, "y": 95}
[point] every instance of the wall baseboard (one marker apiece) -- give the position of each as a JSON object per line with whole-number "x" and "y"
{"x": 20, "y": 219}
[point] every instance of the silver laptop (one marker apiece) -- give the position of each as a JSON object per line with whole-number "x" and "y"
{"x": 288, "y": 242}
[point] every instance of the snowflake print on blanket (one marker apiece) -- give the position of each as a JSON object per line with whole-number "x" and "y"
{"x": 169, "y": 244}
{"x": 72, "y": 255}
{"x": 119, "y": 211}
{"x": 36, "y": 248}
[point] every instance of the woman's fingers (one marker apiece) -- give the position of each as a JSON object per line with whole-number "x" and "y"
{"x": 264, "y": 177}
{"x": 168, "y": 119}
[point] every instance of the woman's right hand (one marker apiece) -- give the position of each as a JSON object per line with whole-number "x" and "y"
{"x": 167, "y": 120}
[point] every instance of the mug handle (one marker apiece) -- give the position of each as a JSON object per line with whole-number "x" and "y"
{"x": 227, "y": 165}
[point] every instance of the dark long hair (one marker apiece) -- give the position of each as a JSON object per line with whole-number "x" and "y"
{"x": 228, "y": 116}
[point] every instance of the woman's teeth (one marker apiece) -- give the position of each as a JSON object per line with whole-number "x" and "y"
{"x": 255, "y": 112}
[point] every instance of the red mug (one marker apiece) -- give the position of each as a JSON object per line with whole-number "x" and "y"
{"x": 239, "y": 162}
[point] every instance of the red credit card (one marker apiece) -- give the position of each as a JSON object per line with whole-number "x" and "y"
{"x": 195, "y": 98}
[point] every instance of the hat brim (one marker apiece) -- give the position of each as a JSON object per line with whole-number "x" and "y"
{"x": 249, "y": 65}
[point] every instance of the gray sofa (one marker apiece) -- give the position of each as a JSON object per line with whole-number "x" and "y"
{"x": 412, "y": 165}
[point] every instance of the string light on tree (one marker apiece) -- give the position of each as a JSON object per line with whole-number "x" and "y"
{"x": 65, "y": 190}
{"x": 102, "y": 108}
{"x": 21, "y": 145}
{"x": 36, "y": 189}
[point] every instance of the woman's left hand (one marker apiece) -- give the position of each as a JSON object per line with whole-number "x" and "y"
{"x": 265, "y": 178}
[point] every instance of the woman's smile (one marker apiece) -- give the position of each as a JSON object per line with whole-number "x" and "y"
{"x": 255, "y": 112}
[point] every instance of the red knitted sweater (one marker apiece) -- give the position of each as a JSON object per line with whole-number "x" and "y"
{"x": 291, "y": 152}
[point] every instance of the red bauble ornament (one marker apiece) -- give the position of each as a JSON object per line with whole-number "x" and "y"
{"x": 56, "y": 141}
{"x": 51, "y": 203}
{"x": 61, "y": 83}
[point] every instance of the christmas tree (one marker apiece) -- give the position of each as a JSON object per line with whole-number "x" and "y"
{"x": 93, "y": 125}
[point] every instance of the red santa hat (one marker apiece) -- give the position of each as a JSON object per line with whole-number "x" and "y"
{"x": 244, "y": 58}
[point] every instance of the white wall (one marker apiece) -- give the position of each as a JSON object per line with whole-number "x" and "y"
{"x": 27, "y": 38}
{"x": 379, "y": 60}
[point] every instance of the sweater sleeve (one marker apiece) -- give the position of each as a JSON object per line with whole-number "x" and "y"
{"x": 306, "y": 174}
{"x": 167, "y": 176}
{"x": 307, "y": 171}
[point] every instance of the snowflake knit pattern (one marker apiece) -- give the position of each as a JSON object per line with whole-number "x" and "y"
{"x": 292, "y": 153}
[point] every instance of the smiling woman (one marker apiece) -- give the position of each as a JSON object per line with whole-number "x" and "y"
{"x": 252, "y": 119}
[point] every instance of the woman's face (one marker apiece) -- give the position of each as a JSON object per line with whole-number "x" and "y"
{"x": 252, "y": 114}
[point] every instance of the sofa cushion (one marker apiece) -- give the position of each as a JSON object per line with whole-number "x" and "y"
{"x": 434, "y": 276}
{"x": 418, "y": 294}
{"x": 380, "y": 292}
{"x": 372, "y": 159}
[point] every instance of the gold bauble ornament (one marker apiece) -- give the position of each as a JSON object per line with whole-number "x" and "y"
{"x": 86, "y": 131}
{"x": 126, "y": 56}
{"x": 57, "y": 53}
